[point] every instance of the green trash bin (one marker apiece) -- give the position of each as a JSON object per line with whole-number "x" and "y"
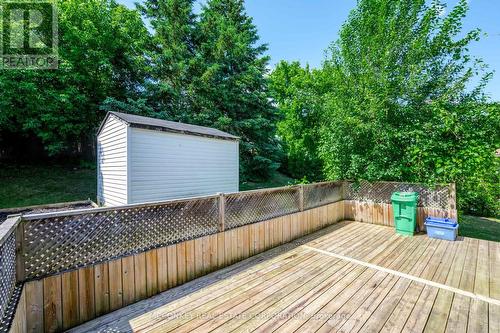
{"x": 404, "y": 206}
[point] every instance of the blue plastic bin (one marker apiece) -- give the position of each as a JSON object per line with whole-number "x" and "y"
{"x": 441, "y": 228}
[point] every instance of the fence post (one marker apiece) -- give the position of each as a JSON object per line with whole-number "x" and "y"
{"x": 301, "y": 197}
{"x": 13, "y": 225}
{"x": 222, "y": 212}
{"x": 453, "y": 197}
{"x": 20, "y": 267}
{"x": 343, "y": 190}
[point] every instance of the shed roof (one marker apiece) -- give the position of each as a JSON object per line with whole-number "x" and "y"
{"x": 169, "y": 126}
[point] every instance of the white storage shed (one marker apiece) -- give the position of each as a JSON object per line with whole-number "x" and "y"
{"x": 141, "y": 159}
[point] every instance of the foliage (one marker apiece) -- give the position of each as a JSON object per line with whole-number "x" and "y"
{"x": 457, "y": 144}
{"x": 139, "y": 107}
{"x": 210, "y": 71}
{"x": 230, "y": 85}
{"x": 392, "y": 65}
{"x": 394, "y": 102}
{"x": 207, "y": 70}
{"x": 297, "y": 91}
{"x": 172, "y": 53}
{"x": 101, "y": 48}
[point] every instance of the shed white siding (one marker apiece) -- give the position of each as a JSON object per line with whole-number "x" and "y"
{"x": 165, "y": 165}
{"x": 112, "y": 163}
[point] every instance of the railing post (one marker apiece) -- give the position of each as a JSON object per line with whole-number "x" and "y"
{"x": 344, "y": 189}
{"x": 453, "y": 197}
{"x": 222, "y": 212}
{"x": 20, "y": 264}
{"x": 301, "y": 197}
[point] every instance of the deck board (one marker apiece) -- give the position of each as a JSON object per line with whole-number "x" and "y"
{"x": 299, "y": 287}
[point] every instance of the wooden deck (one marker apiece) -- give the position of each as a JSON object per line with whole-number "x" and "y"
{"x": 349, "y": 277}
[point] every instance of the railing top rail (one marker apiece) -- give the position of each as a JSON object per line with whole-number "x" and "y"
{"x": 16, "y": 210}
{"x": 154, "y": 203}
{"x": 397, "y": 182}
{"x": 8, "y": 226}
{"x": 114, "y": 208}
{"x": 324, "y": 183}
{"x": 265, "y": 190}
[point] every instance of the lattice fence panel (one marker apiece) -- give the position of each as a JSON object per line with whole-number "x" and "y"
{"x": 316, "y": 195}
{"x": 10, "y": 311}
{"x": 432, "y": 197}
{"x": 250, "y": 207}
{"x": 7, "y": 271}
{"x": 55, "y": 244}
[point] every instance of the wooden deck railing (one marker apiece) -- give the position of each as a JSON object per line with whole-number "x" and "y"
{"x": 78, "y": 265}
{"x": 8, "y": 277}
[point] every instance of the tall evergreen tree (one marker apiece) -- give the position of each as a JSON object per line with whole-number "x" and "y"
{"x": 173, "y": 49}
{"x": 230, "y": 84}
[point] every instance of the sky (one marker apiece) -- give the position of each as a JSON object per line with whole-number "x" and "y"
{"x": 302, "y": 29}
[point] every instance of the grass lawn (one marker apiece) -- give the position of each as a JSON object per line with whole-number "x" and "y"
{"x": 37, "y": 185}
{"x": 276, "y": 180}
{"x": 480, "y": 227}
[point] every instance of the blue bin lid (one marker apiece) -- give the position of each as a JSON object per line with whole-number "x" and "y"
{"x": 441, "y": 221}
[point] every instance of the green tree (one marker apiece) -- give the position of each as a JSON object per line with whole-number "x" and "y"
{"x": 400, "y": 105}
{"x": 230, "y": 85}
{"x": 101, "y": 54}
{"x": 173, "y": 51}
{"x": 298, "y": 94}
{"x": 209, "y": 70}
{"x": 133, "y": 106}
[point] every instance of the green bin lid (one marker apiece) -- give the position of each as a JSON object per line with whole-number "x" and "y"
{"x": 404, "y": 196}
